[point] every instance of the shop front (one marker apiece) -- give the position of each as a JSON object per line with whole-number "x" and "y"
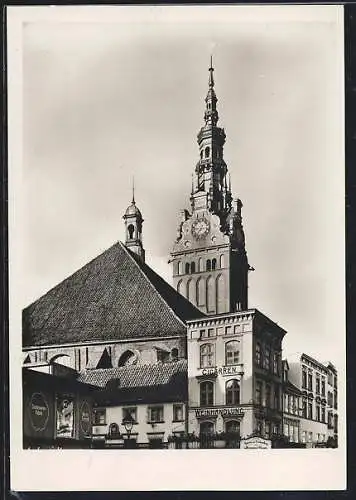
{"x": 56, "y": 411}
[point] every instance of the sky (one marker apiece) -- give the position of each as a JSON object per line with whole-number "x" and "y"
{"x": 108, "y": 99}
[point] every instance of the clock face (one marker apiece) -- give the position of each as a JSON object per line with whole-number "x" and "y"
{"x": 200, "y": 228}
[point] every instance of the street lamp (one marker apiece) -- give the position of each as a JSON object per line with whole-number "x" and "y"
{"x": 128, "y": 424}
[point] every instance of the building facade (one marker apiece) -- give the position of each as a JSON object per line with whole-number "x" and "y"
{"x": 292, "y": 407}
{"x": 311, "y": 377}
{"x": 235, "y": 374}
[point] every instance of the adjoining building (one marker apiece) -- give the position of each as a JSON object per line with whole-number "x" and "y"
{"x": 57, "y": 409}
{"x": 152, "y": 398}
{"x": 235, "y": 374}
{"x": 317, "y": 381}
{"x": 292, "y": 407}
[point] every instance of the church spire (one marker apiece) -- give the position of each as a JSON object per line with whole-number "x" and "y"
{"x": 133, "y": 226}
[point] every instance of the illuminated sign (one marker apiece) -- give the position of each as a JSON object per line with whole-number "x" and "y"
{"x": 223, "y": 370}
{"x": 85, "y": 420}
{"x": 39, "y": 411}
{"x": 215, "y": 412}
{"x": 65, "y": 416}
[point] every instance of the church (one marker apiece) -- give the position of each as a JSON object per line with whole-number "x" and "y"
{"x": 189, "y": 359}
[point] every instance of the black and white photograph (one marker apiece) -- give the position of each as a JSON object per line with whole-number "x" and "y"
{"x": 176, "y": 242}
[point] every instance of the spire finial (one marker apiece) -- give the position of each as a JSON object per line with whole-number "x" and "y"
{"x": 133, "y": 189}
{"x": 211, "y": 69}
{"x": 192, "y": 184}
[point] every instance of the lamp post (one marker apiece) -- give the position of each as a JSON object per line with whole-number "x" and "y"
{"x": 128, "y": 424}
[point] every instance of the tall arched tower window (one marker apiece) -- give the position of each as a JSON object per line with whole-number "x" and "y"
{"x": 222, "y": 261}
{"x": 208, "y": 265}
{"x": 179, "y": 268}
{"x": 201, "y": 292}
{"x": 207, "y": 152}
{"x": 187, "y": 268}
{"x": 192, "y": 267}
{"x": 220, "y": 294}
{"x": 131, "y": 230}
{"x": 210, "y": 294}
{"x": 213, "y": 264}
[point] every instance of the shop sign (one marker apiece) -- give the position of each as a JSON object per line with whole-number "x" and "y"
{"x": 256, "y": 442}
{"x": 215, "y": 412}
{"x": 39, "y": 411}
{"x": 65, "y": 416}
{"x": 222, "y": 370}
{"x": 85, "y": 420}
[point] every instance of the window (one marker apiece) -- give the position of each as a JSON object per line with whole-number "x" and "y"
{"x": 213, "y": 264}
{"x": 323, "y": 386}
{"x": 162, "y": 356}
{"x": 99, "y": 417}
{"x": 232, "y": 352}
{"x": 232, "y": 390}
{"x": 318, "y": 413}
{"x": 206, "y": 393}
{"x": 304, "y": 436}
{"x": 330, "y": 378}
{"x": 268, "y": 395}
{"x": 317, "y": 384}
{"x": 206, "y": 428}
{"x": 310, "y": 411}
{"x": 258, "y": 392}
{"x": 335, "y": 423}
{"x": 304, "y": 378}
{"x": 330, "y": 398}
{"x": 187, "y": 268}
{"x": 228, "y": 330}
{"x": 335, "y": 381}
{"x": 267, "y": 429}
{"x": 222, "y": 263}
{"x": 179, "y": 267}
{"x": 232, "y": 426}
{"x": 258, "y": 354}
{"x": 276, "y": 397}
{"x": 304, "y": 408}
{"x": 131, "y": 230}
{"x": 310, "y": 437}
{"x": 330, "y": 420}
{"x": 210, "y": 332}
{"x": 207, "y": 152}
{"x": 178, "y": 413}
{"x": 174, "y": 354}
{"x": 335, "y": 400}
{"x": 129, "y": 414}
{"x": 267, "y": 358}
{"x": 201, "y": 265}
{"x": 192, "y": 267}
{"x": 310, "y": 381}
{"x": 323, "y": 414}
{"x": 206, "y": 355}
{"x": 155, "y": 414}
{"x": 208, "y": 265}
{"x": 275, "y": 363}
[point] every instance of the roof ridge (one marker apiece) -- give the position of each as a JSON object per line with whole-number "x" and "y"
{"x": 151, "y": 284}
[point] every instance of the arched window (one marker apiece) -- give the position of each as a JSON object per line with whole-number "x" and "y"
{"x": 232, "y": 352}
{"x": 232, "y": 392}
{"x": 232, "y": 427}
{"x": 131, "y": 230}
{"x": 179, "y": 267}
{"x": 207, "y": 393}
{"x": 213, "y": 264}
{"x": 210, "y": 294}
{"x": 187, "y": 268}
{"x": 206, "y": 428}
{"x": 191, "y": 291}
{"x": 201, "y": 265}
{"x": 192, "y": 267}
{"x": 207, "y": 152}
{"x": 208, "y": 265}
{"x": 127, "y": 358}
{"x": 180, "y": 288}
{"x": 174, "y": 354}
{"x": 206, "y": 355}
{"x": 201, "y": 292}
{"x": 222, "y": 261}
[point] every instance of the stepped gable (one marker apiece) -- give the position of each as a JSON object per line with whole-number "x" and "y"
{"x": 115, "y": 296}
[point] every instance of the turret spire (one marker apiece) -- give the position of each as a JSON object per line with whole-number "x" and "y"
{"x": 211, "y": 70}
{"x": 133, "y": 190}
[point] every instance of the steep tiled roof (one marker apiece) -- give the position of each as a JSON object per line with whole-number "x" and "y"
{"x": 139, "y": 384}
{"x": 134, "y": 375}
{"x": 113, "y": 297}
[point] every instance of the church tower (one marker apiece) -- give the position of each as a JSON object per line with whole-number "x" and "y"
{"x": 133, "y": 228}
{"x": 210, "y": 265}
